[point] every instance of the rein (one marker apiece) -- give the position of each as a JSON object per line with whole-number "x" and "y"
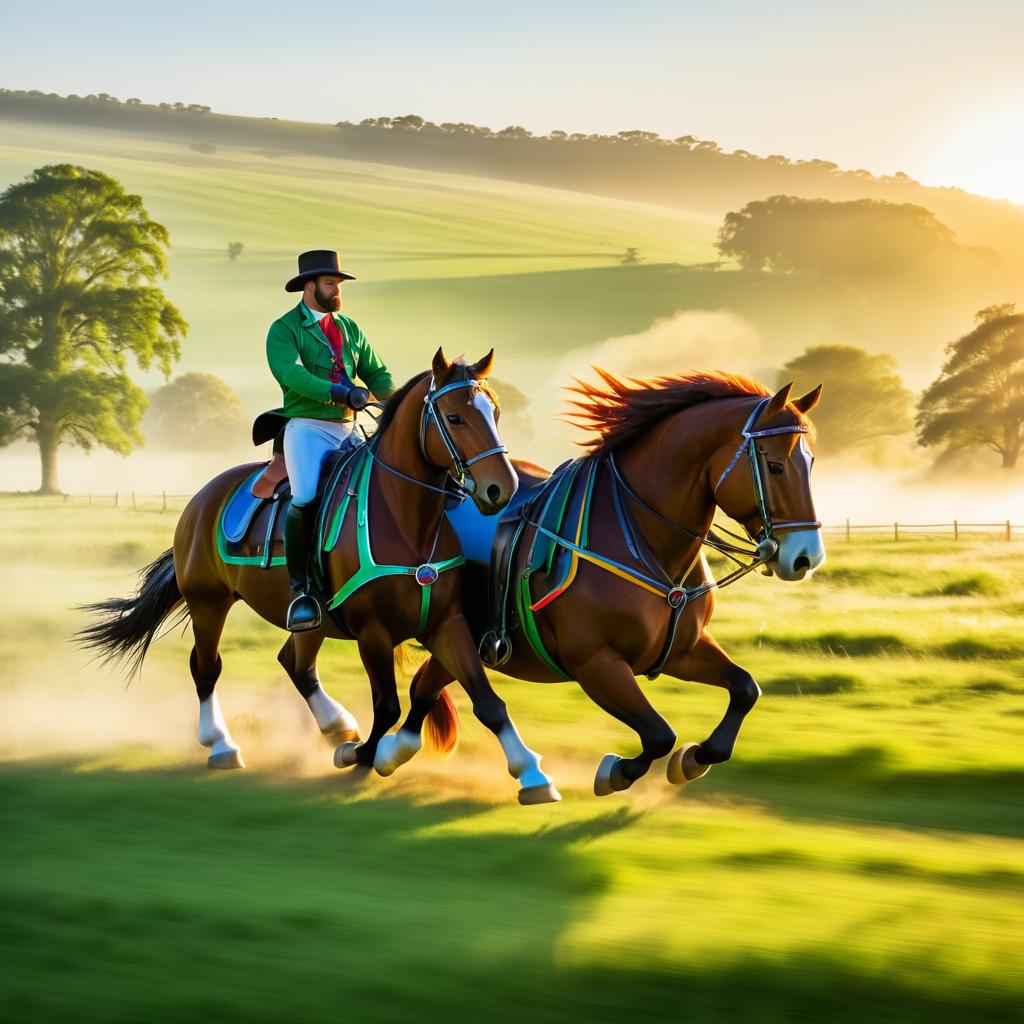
{"x": 675, "y": 594}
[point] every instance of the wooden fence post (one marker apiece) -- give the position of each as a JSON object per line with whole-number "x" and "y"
{"x": 133, "y": 501}
{"x": 956, "y": 530}
{"x": 895, "y": 531}
{"x": 847, "y": 530}
{"x": 1008, "y": 529}
{"x": 115, "y": 499}
{"x": 165, "y": 501}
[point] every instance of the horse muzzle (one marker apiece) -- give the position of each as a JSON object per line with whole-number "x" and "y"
{"x": 799, "y": 553}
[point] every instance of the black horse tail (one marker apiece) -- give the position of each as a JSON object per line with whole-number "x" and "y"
{"x": 128, "y": 625}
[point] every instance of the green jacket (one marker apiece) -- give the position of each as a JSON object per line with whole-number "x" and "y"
{"x": 300, "y": 360}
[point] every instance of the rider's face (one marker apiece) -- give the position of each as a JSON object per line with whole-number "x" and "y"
{"x": 327, "y": 293}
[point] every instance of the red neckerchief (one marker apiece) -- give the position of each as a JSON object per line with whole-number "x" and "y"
{"x": 337, "y": 340}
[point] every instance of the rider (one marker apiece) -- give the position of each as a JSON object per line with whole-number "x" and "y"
{"x": 314, "y": 351}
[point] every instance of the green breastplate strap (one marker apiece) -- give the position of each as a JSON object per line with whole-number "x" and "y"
{"x": 426, "y": 575}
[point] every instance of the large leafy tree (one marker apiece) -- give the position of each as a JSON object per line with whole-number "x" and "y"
{"x": 978, "y": 397}
{"x": 859, "y": 240}
{"x": 79, "y": 262}
{"x": 195, "y": 411}
{"x": 864, "y": 398}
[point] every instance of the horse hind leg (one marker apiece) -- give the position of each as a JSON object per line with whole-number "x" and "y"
{"x": 298, "y": 659}
{"x": 205, "y": 664}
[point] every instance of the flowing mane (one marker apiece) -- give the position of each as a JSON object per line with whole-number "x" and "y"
{"x": 625, "y": 408}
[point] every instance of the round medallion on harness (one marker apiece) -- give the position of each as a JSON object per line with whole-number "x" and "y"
{"x": 426, "y": 574}
{"x": 676, "y": 597}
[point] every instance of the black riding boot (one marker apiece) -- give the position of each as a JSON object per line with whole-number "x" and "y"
{"x": 304, "y": 611}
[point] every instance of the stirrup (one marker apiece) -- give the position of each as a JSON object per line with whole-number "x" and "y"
{"x": 303, "y": 614}
{"x": 495, "y": 648}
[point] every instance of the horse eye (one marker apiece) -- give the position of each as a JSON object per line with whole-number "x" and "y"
{"x": 775, "y": 468}
{"x": 453, "y": 418}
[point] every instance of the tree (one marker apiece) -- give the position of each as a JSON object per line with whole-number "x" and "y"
{"x": 78, "y": 260}
{"x": 631, "y": 255}
{"x": 235, "y": 250}
{"x": 857, "y": 240}
{"x": 196, "y": 411}
{"x": 978, "y": 397}
{"x": 864, "y": 398}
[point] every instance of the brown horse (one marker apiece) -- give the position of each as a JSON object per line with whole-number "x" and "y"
{"x": 632, "y": 593}
{"x": 394, "y": 567}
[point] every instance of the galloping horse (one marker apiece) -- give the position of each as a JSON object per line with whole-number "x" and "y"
{"x": 604, "y": 578}
{"x": 390, "y": 558}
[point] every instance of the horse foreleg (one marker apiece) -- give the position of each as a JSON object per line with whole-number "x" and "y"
{"x": 452, "y": 645}
{"x": 298, "y": 658}
{"x": 609, "y": 682}
{"x": 706, "y": 662}
{"x": 426, "y": 688}
{"x": 208, "y": 618}
{"x": 378, "y": 654}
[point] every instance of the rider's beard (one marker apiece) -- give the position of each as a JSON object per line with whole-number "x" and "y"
{"x": 328, "y": 303}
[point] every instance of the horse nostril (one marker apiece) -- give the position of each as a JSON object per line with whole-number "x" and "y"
{"x": 493, "y": 493}
{"x": 803, "y": 562}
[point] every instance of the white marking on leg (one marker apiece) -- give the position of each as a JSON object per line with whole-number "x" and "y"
{"x": 213, "y": 733}
{"x": 331, "y": 717}
{"x": 395, "y": 749}
{"x": 523, "y": 763}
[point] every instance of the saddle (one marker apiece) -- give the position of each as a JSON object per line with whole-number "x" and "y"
{"x": 250, "y": 530}
{"x": 557, "y": 507}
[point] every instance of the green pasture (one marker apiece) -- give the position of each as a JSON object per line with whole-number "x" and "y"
{"x": 860, "y": 858}
{"x": 395, "y": 227}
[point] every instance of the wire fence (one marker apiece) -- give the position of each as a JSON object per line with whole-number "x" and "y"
{"x": 895, "y": 531}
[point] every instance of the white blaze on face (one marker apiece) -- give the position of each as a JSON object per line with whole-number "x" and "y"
{"x": 802, "y": 456}
{"x": 481, "y": 401}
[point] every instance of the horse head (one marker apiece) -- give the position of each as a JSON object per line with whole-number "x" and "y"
{"x": 764, "y": 484}
{"x": 460, "y": 432}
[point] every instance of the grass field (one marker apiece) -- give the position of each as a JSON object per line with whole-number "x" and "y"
{"x": 860, "y": 858}
{"x": 393, "y": 225}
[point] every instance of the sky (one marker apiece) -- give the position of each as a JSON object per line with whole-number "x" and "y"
{"x": 935, "y": 89}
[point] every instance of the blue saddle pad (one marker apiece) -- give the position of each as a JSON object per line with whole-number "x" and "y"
{"x": 242, "y": 506}
{"x": 476, "y": 531}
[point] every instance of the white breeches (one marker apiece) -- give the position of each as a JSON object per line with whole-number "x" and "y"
{"x": 307, "y": 442}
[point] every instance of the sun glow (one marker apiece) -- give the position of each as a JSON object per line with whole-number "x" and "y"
{"x": 984, "y": 155}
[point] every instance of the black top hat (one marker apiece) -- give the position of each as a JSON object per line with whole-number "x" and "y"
{"x": 313, "y": 264}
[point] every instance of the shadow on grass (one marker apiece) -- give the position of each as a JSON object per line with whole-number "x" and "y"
{"x": 168, "y": 896}
{"x": 868, "y": 784}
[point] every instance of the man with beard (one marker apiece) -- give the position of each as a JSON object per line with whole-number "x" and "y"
{"x": 315, "y": 352}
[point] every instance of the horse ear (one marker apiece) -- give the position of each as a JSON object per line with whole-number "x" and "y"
{"x": 440, "y": 365}
{"x": 808, "y": 402}
{"x": 777, "y": 402}
{"x": 482, "y": 367}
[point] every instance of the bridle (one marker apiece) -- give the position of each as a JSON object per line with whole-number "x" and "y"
{"x": 460, "y": 464}
{"x": 456, "y": 486}
{"x": 767, "y": 545}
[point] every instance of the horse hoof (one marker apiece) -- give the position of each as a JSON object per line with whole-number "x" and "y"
{"x": 604, "y": 780}
{"x": 339, "y": 737}
{"x": 683, "y": 767}
{"x": 543, "y": 794}
{"x": 345, "y": 755}
{"x": 230, "y": 758}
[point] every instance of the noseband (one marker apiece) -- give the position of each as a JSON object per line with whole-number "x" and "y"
{"x": 767, "y": 545}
